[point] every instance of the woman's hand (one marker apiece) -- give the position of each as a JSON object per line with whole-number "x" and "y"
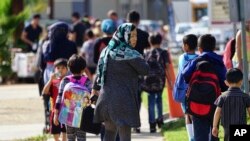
{"x": 94, "y": 96}
{"x": 94, "y": 92}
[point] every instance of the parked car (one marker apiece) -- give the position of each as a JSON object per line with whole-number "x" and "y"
{"x": 180, "y": 31}
{"x": 150, "y": 25}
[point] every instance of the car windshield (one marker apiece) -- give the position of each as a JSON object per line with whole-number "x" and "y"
{"x": 183, "y": 29}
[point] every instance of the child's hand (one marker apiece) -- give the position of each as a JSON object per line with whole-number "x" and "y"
{"x": 170, "y": 85}
{"x": 215, "y": 131}
{"x": 55, "y": 120}
{"x": 53, "y": 76}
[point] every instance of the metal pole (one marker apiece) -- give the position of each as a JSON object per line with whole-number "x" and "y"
{"x": 244, "y": 49}
{"x": 235, "y": 29}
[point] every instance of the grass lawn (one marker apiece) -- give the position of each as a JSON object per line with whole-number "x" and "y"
{"x": 175, "y": 131}
{"x": 43, "y": 137}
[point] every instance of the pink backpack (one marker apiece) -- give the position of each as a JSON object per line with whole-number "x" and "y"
{"x": 229, "y": 54}
{"x": 73, "y": 101}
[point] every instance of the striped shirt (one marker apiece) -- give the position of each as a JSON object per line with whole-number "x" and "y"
{"x": 233, "y": 103}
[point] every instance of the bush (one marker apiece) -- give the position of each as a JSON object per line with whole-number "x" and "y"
{"x": 8, "y": 24}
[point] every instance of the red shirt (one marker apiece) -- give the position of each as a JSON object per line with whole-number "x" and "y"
{"x": 54, "y": 92}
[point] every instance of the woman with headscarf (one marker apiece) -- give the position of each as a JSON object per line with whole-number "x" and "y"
{"x": 117, "y": 79}
{"x": 58, "y": 46}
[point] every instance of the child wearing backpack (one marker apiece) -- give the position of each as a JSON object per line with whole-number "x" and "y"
{"x": 205, "y": 76}
{"x": 51, "y": 89}
{"x": 180, "y": 86}
{"x": 232, "y": 104}
{"x": 154, "y": 82}
{"x": 71, "y": 99}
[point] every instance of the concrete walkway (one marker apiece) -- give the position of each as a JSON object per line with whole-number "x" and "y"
{"x": 143, "y": 136}
{"x": 21, "y": 115}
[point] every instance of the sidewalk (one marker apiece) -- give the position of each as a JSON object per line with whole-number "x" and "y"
{"x": 21, "y": 115}
{"x": 143, "y": 136}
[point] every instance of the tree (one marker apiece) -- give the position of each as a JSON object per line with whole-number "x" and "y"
{"x": 8, "y": 24}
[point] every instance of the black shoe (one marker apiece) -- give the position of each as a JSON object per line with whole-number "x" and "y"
{"x": 160, "y": 122}
{"x": 152, "y": 127}
{"x": 137, "y": 130}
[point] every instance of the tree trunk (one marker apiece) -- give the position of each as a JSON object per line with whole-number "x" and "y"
{"x": 16, "y": 7}
{"x": 51, "y": 9}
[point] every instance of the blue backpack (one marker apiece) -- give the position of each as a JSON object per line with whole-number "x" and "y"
{"x": 180, "y": 86}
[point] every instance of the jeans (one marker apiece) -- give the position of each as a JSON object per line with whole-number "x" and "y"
{"x": 47, "y": 72}
{"x": 154, "y": 99}
{"x": 203, "y": 129}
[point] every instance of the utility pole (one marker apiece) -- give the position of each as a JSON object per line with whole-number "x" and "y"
{"x": 243, "y": 42}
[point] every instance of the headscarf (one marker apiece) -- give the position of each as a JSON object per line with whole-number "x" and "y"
{"x": 58, "y": 31}
{"x": 57, "y": 34}
{"x": 117, "y": 49}
{"x": 108, "y": 26}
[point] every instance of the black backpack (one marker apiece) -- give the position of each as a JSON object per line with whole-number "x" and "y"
{"x": 203, "y": 90}
{"x": 155, "y": 80}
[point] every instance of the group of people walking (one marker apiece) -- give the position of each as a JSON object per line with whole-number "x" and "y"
{"x": 77, "y": 64}
{"x": 117, "y": 65}
{"x": 207, "y": 91}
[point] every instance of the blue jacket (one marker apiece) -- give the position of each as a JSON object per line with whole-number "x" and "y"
{"x": 213, "y": 58}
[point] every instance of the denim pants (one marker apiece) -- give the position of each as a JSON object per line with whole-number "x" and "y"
{"x": 154, "y": 99}
{"x": 47, "y": 72}
{"x": 203, "y": 129}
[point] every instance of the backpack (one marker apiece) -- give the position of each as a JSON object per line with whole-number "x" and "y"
{"x": 229, "y": 53}
{"x": 73, "y": 101}
{"x": 203, "y": 90}
{"x": 180, "y": 86}
{"x": 155, "y": 80}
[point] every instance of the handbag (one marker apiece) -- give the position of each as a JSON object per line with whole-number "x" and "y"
{"x": 87, "y": 123}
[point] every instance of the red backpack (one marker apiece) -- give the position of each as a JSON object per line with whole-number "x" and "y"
{"x": 203, "y": 90}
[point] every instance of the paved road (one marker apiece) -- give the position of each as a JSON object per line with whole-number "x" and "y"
{"x": 21, "y": 115}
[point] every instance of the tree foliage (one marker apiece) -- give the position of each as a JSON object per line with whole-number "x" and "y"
{"x": 8, "y": 23}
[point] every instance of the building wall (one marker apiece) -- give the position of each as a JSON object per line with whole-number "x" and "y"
{"x": 183, "y": 11}
{"x": 99, "y": 8}
{"x": 157, "y": 10}
{"x": 66, "y": 5}
{"x": 64, "y": 8}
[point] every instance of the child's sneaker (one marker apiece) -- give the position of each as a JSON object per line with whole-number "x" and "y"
{"x": 46, "y": 130}
{"x": 160, "y": 122}
{"x": 152, "y": 127}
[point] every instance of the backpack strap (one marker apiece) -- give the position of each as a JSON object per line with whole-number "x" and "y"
{"x": 81, "y": 81}
{"x": 160, "y": 53}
